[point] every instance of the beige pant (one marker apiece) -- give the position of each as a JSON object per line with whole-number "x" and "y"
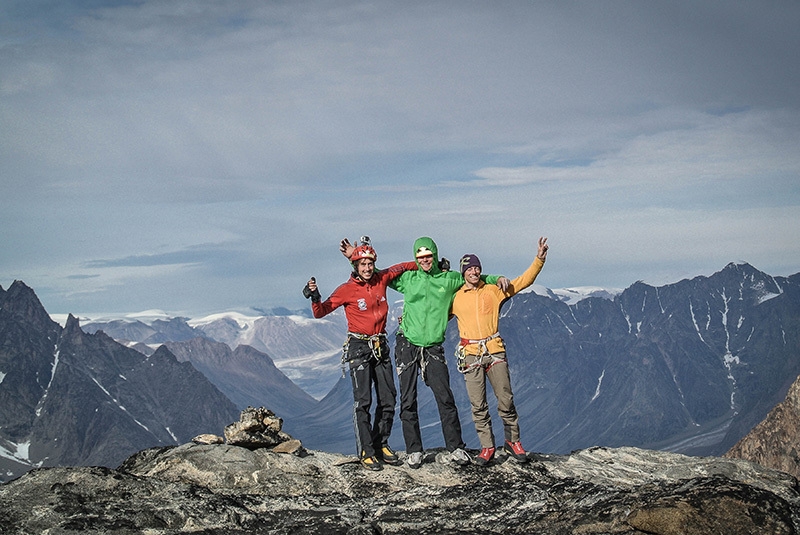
{"x": 494, "y": 368}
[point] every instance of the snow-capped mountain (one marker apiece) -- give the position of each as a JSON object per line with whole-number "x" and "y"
{"x": 308, "y": 351}
{"x": 572, "y": 296}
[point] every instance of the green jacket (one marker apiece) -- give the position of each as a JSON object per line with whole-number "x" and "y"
{"x": 427, "y": 298}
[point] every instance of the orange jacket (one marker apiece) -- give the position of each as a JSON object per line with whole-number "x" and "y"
{"x": 478, "y": 310}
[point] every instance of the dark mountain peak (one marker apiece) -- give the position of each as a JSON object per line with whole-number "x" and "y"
{"x": 72, "y": 324}
{"x": 19, "y": 287}
{"x": 740, "y": 271}
{"x": 749, "y": 282}
{"x": 740, "y": 267}
{"x": 739, "y": 282}
{"x": 21, "y": 302}
{"x": 737, "y": 279}
{"x": 72, "y": 334}
{"x": 635, "y": 291}
{"x": 163, "y": 353}
{"x": 636, "y": 300}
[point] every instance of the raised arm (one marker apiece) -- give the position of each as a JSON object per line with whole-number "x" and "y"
{"x": 527, "y": 278}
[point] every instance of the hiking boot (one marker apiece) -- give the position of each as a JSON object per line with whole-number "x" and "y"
{"x": 485, "y": 456}
{"x": 414, "y": 460}
{"x": 459, "y": 456}
{"x": 371, "y": 463}
{"x": 516, "y": 451}
{"x": 390, "y": 457}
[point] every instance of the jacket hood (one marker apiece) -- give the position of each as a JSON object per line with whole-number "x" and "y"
{"x": 430, "y": 244}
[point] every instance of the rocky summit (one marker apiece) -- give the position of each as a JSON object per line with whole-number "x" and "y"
{"x": 223, "y": 488}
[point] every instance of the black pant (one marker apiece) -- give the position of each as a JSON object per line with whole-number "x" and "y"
{"x": 410, "y": 360}
{"x": 366, "y": 371}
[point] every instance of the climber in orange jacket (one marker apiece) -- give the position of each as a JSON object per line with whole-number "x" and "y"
{"x": 482, "y": 355}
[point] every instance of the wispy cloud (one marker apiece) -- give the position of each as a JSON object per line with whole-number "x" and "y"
{"x": 152, "y": 148}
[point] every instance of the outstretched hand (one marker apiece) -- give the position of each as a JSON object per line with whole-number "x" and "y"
{"x": 346, "y": 248}
{"x": 543, "y": 247}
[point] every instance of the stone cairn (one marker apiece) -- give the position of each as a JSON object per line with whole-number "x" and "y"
{"x": 256, "y": 428}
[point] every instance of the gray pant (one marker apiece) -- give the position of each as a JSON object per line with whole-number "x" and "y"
{"x": 494, "y": 368}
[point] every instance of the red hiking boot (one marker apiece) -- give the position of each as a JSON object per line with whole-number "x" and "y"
{"x": 485, "y": 456}
{"x": 516, "y": 451}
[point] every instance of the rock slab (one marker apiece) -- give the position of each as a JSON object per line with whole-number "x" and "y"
{"x": 223, "y": 488}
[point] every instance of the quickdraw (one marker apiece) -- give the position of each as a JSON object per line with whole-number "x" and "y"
{"x": 374, "y": 341}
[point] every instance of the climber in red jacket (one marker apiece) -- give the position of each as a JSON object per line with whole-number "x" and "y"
{"x": 366, "y": 351}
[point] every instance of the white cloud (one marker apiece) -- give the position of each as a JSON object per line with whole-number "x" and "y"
{"x": 251, "y": 137}
{"x": 703, "y": 147}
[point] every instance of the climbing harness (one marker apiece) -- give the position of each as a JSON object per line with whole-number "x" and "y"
{"x": 483, "y": 351}
{"x": 421, "y": 356}
{"x": 374, "y": 342}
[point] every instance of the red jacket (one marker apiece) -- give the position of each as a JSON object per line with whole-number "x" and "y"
{"x": 364, "y": 302}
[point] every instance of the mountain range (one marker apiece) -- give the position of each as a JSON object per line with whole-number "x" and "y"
{"x": 68, "y": 397}
{"x": 688, "y": 367}
{"x": 307, "y": 351}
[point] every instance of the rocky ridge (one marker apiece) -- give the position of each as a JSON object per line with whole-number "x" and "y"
{"x": 258, "y": 479}
{"x": 229, "y": 489}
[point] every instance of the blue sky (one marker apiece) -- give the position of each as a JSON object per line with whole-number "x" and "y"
{"x": 202, "y": 156}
